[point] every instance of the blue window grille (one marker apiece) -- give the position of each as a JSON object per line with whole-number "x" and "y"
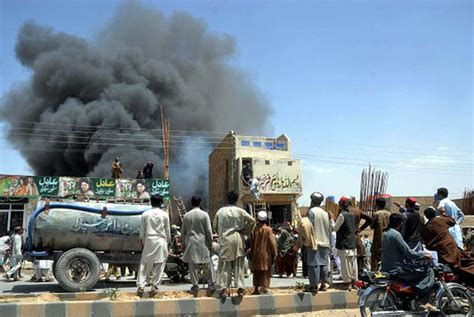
{"x": 280, "y": 146}
{"x": 245, "y": 143}
{"x": 269, "y": 145}
{"x": 257, "y": 143}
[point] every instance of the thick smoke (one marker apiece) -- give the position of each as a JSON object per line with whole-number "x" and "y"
{"x": 88, "y": 102}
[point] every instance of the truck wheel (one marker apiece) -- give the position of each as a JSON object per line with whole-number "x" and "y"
{"x": 77, "y": 270}
{"x": 54, "y": 268}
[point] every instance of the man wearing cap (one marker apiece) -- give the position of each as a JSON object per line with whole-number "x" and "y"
{"x": 263, "y": 251}
{"x": 197, "y": 241}
{"x": 411, "y": 229}
{"x": 448, "y": 208}
{"x": 318, "y": 258}
{"x": 346, "y": 243}
{"x": 232, "y": 223}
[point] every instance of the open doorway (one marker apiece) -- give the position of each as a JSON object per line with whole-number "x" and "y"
{"x": 280, "y": 214}
{"x": 247, "y": 171}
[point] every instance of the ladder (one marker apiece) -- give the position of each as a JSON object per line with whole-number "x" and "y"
{"x": 259, "y": 205}
{"x": 180, "y": 205}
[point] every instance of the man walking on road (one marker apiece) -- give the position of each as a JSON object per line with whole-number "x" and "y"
{"x": 16, "y": 256}
{"x": 379, "y": 224}
{"x": 154, "y": 237}
{"x": 263, "y": 253}
{"x": 318, "y": 261}
{"x": 197, "y": 240}
{"x": 232, "y": 223}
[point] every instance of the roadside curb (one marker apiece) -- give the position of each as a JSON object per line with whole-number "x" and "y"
{"x": 202, "y": 306}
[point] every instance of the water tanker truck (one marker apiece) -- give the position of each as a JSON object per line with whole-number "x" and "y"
{"x": 79, "y": 236}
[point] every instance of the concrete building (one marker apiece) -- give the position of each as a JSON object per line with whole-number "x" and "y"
{"x": 266, "y": 159}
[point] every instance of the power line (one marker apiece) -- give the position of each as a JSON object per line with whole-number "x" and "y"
{"x": 333, "y": 161}
{"x": 156, "y": 144}
{"x": 158, "y": 131}
{"x": 197, "y": 139}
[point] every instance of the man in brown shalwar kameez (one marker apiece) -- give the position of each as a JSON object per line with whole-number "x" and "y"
{"x": 437, "y": 238}
{"x": 359, "y": 215}
{"x": 117, "y": 169}
{"x": 263, "y": 253}
{"x": 379, "y": 224}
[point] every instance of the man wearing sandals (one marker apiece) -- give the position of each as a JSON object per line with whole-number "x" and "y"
{"x": 154, "y": 237}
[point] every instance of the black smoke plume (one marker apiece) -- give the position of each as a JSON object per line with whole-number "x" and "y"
{"x": 90, "y": 101}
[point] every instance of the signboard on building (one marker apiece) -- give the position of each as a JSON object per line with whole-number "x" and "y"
{"x": 278, "y": 176}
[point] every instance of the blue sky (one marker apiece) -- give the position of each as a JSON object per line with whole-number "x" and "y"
{"x": 351, "y": 82}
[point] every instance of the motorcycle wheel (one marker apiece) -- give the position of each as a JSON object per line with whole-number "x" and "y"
{"x": 462, "y": 296}
{"x": 374, "y": 302}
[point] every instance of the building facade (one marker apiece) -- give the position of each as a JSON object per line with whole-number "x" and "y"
{"x": 238, "y": 160}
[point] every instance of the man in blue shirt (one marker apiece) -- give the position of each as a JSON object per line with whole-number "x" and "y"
{"x": 449, "y": 208}
{"x": 397, "y": 259}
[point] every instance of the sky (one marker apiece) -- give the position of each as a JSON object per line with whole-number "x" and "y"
{"x": 350, "y": 82}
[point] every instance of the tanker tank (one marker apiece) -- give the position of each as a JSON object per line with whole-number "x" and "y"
{"x": 103, "y": 227}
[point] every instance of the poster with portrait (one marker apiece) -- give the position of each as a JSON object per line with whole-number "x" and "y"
{"x": 103, "y": 187}
{"x": 83, "y": 187}
{"x": 159, "y": 187}
{"x": 18, "y": 186}
{"x": 132, "y": 189}
{"x": 43, "y": 185}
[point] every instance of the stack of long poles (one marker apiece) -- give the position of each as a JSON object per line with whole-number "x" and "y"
{"x": 468, "y": 202}
{"x": 165, "y": 125}
{"x": 373, "y": 184}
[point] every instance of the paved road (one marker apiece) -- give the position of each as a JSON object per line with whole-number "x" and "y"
{"x": 124, "y": 284}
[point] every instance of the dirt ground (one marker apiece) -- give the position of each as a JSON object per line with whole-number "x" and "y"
{"x": 117, "y": 295}
{"x": 324, "y": 313}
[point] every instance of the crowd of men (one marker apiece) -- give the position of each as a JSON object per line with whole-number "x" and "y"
{"x": 397, "y": 237}
{"x": 399, "y": 240}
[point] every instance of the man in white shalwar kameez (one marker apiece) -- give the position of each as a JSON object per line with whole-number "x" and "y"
{"x": 197, "y": 241}
{"x": 17, "y": 256}
{"x": 154, "y": 236}
{"x": 231, "y": 224}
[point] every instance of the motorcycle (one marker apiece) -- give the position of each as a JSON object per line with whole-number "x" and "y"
{"x": 379, "y": 292}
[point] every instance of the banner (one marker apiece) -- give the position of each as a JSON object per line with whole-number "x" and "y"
{"x": 103, "y": 187}
{"x": 159, "y": 187}
{"x": 68, "y": 187}
{"x": 45, "y": 185}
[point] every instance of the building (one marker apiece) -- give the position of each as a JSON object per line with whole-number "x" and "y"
{"x": 266, "y": 159}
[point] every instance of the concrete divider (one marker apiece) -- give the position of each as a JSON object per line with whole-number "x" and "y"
{"x": 201, "y": 306}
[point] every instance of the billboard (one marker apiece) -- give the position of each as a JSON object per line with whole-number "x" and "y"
{"x": 34, "y": 186}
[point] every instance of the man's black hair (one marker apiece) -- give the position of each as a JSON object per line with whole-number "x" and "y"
{"x": 442, "y": 192}
{"x": 430, "y": 212}
{"x": 380, "y": 203}
{"x": 232, "y": 197}
{"x": 156, "y": 200}
{"x": 395, "y": 220}
{"x": 18, "y": 229}
{"x": 196, "y": 201}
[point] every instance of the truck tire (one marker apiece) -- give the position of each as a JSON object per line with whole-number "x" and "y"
{"x": 77, "y": 270}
